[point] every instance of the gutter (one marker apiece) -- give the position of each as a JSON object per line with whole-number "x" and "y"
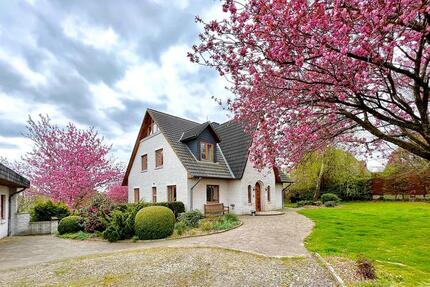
{"x": 9, "y": 215}
{"x": 191, "y": 192}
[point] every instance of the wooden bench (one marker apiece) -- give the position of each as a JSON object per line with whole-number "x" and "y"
{"x": 215, "y": 209}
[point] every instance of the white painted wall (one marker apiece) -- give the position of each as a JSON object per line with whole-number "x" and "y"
{"x": 172, "y": 172}
{"x": 4, "y": 222}
{"x": 236, "y": 191}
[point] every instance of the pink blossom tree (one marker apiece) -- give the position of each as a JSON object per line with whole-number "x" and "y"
{"x": 310, "y": 74}
{"x": 68, "y": 164}
{"x": 118, "y": 193}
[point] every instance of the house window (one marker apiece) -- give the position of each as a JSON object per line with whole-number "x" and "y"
{"x": 268, "y": 193}
{"x": 144, "y": 160}
{"x": 2, "y": 206}
{"x": 152, "y": 128}
{"x": 171, "y": 193}
{"x": 206, "y": 151}
{"x": 136, "y": 195}
{"x": 154, "y": 194}
{"x": 249, "y": 194}
{"x": 159, "y": 158}
{"x": 212, "y": 193}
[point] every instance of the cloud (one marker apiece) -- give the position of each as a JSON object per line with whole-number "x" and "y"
{"x": 97, "y": 37}
{"x": 101, "y": 64}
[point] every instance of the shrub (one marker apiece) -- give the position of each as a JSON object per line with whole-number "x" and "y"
{"x": 154, "y": 222}
{"x": 116, "y": 228}
{"x": 191, "y": 218}
{"x": 44, "y": 211}
{"x": 206, "y": 225}
{"x": 96, "y": 213}
{"x": 317, "y": 203}
{"x": 330, "y": 203}
{"x": 180, "y": 228}
{"x": 226, "y": 222}
{"x": 303, "y": 203}
{"x": 329, "y": 197}
{"x": 177, "y": 207}
{"x": 365, "y": 268}
{"x": 111, "y": 233}
{"x": 71, "y": 224}
{"x": 231, "y": 217}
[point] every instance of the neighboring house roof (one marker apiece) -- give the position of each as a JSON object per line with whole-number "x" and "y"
{"x": 233, "y": 146}
{"x": 10, "y": 178}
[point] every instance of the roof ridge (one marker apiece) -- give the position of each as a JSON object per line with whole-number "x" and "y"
{"x": 173, "y": 116}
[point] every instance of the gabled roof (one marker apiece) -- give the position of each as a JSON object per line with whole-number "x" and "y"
{"x": 172, "y": 128}
{"x": 10, "y": 178}
{"x": 194, "y": 132}
{"x": 233, "y": 145}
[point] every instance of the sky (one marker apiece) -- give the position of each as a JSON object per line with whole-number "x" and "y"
{"x": 102, "y": 64}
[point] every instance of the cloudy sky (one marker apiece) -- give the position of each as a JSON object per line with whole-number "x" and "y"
{"x": 101, "y": 64}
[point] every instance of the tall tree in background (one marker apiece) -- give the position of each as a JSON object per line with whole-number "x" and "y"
{"x": 328, "y": 168}
{"x": 68, "y": 164}
{"x": 316, "y": 73}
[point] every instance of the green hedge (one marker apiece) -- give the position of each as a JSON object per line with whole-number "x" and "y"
{"x": 358, "y": 190}
{"x": 71, "y": 224}
{"x": 154, "y": 222}
{"x": 44, "y": 211}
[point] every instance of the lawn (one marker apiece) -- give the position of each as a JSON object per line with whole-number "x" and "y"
{"x": 396, "y": 235}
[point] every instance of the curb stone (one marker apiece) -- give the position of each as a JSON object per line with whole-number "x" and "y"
{"x": 330, "y": 268}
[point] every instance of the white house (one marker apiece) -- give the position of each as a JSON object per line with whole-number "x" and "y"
{"x": 11, "y": 184}
{"x": 175, "y": 159}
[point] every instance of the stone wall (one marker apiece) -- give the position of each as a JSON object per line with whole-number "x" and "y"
{"x": 21, "y": 225}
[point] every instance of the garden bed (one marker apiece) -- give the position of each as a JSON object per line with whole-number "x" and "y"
{"x": 200, "y": 230}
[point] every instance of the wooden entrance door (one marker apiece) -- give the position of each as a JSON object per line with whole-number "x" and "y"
{"x": 257, "y": 197}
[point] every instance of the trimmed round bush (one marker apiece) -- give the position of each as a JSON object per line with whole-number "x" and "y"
{"x": 71, "y": 224}
{"x": 329, "y": 197}
{"x": 154, "y": 222}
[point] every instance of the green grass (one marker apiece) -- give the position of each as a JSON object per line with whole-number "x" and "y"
{"x": 78, "y": 235}
{"x": 396, "y": 235}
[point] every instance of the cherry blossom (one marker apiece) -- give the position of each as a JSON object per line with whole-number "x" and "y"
{"x": 309, "y": 74}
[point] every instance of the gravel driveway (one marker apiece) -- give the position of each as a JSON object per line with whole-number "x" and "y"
{"x": 172, "y": 267}
{"x": 211, "y": 260}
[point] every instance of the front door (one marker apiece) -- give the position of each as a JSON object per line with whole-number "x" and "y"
{"x": 257, "y": 197}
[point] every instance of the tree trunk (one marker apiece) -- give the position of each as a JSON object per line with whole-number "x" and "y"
{"x": 319, "y": 181}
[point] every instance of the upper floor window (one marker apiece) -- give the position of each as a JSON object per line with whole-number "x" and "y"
{"x": 144, "y": 162}
{"x": 159, "y": 158}
{"x": 212, "y": 193}
{"x": 207, "y": 151}
{"x": 151, "y": 128}
{"x": 171, "y": 193}
{"x": 268, "y": 193}
{"x": 249, "y": 194}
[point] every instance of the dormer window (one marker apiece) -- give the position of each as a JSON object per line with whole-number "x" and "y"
{"x": 207, "y": 151}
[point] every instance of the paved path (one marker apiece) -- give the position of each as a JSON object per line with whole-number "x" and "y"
{"x": 276, "y": 236}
